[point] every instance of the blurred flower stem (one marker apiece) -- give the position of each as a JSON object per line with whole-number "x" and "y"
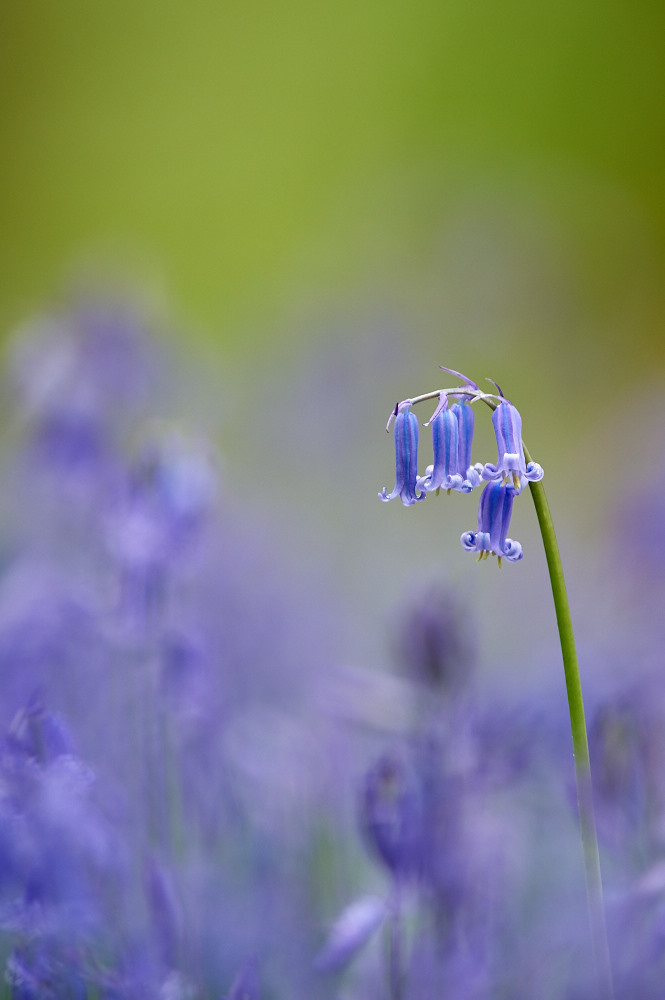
{"x": 395, "y": 959}
{"x": 594, "y": 883}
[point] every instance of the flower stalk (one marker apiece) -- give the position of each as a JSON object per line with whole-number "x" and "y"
{"x": 395, "y": 947}
{"x": 505, "y": 480}
{"x": 594, "y": 884}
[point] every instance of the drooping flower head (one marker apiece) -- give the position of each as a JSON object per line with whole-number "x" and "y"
{"x": 406, "y": 457}
{"x": 452, "y": 468}
{"x": 511, "y": 467}
{"x": 494, "y": 511}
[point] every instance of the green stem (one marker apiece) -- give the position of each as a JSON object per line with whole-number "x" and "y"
{"x": 594, "y": 885}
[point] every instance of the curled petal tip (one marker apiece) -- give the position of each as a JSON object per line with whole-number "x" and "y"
{"x": 512, "y": 550}
{"x": 423, "y": 482}
{"x": 490, "y": 473}
{"x": 534, "y": 472}
{"x": 494, "y": 512}
{"x": 468, "y": 540}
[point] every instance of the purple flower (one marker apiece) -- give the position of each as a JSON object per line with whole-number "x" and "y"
{"x": 36, "y": 734}
{"x": 43, "y": 970}
{"x": 406, "y": 457}
{"x": 494, "y": 510}
{"x": 391, "y": 815}
{"x": 466, "y": 420}
{"x": 351, "y": 931}
{"x": 511, "y": 467}
{"x": 433, "y": 641}
{"x": 452, "y": 433}
{"x": 168, "y": 494}
{"x": 78, "y": 380}
{"x": 622, "y": 744}
{"x": 157, "y": 518}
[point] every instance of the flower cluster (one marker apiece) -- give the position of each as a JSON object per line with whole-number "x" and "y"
{"x": 452, "y": 469}
{"x": 477, "y": 887}
{"x": 155, "y": 778}
{"x": 186, "y": 727}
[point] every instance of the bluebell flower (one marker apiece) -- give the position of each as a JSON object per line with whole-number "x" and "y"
{"x": 452, "y": 436}
{"x": 448, "y": 471}
{"x": 43, "y": 970}
{"x": 444, "y": 473}
{"x": 433, "y": 642}
{"x": 406, "y": 458}
{"x": 621, "y": 739}
{"x": 494, "y": 510}
{"x": 466, "y": 420}
{"x": 156, "y": 518}
{"x": 351, "y": 931}
{"x": 511, "y": 467}
{"x": 36, "y": 734}
{"x": 391, "y": 815}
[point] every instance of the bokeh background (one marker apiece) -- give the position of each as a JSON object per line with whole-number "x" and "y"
{"x": 329, "y": 200}
{"x": 485, "y": 172}
{"x": 310, "y": 206}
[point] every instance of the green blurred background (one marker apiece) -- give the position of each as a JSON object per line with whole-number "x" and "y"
{"x": 336, "y": 197}
{"x": 479, "y": 167}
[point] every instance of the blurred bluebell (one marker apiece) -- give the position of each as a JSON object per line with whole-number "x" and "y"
{"x": 80, "y": 378}
{"x": 392, "y": 815}
{"x": 354, "y": 927}
{"x": 181, "y": 746}
{"x": 157, "y": 517}
{"x": 619, "y": 746}
{"x": 434, "y": 641}
{"x": 38, "y": 734}
{"x": 40, "y": 971}
{"x": 636, "y": 929}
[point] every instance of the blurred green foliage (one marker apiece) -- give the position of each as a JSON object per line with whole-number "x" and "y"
{"x": 258, "y": 153}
